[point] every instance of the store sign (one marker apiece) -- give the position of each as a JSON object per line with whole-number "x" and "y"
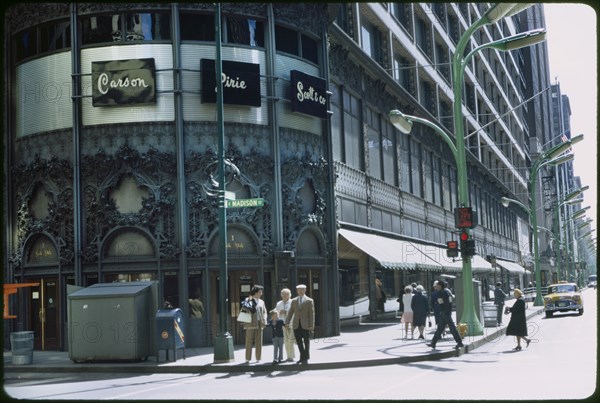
{"x": 122, "y": 82}
{"x": 308, "y": 94}
{"x": 241, "y": 82}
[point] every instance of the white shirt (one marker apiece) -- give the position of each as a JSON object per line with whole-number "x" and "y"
{"x": 406, "y": 300}
{"x": 283, "y": 306}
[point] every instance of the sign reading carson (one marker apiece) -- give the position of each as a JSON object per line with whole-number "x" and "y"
{"x": 121, "y": 82}
{"x": 241, "y": 82}
{"x": 309, "y": 94}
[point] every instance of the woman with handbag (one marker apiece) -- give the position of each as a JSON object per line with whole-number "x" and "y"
{"x": 254, "y": 329}
{"x": 517, "y": 326}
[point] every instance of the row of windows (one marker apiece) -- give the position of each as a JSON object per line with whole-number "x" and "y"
{"x": 402, "y": 161}
{"x": 136, "y": 27}
{"x": 485, "y": 100}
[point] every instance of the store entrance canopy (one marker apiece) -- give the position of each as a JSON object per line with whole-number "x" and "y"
{"x": 391, "y": 253}
{"x": 400, "y": 254}
{"x": 510, "y": 266}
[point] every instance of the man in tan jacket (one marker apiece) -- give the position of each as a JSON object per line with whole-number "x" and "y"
{"x": 302, "y": 316}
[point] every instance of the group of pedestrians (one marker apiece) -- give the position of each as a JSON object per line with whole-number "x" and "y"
{"x": 292, "y": 321}
{"x": 416, "y": 312}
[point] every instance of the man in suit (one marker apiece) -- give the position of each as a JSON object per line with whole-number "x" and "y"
{"x": 499, "y": 299}
{"x": 302, "y": 316}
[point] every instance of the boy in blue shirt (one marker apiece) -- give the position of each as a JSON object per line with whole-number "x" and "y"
{"x": 276, "y": 326}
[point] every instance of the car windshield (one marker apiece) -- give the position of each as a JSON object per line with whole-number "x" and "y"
{"x": 562, "y": 288}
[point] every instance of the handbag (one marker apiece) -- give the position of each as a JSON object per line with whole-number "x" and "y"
{"x": 244, "y": 317}
{"x": 429, "y": 322}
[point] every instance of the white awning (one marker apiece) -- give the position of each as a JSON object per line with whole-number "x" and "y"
{"x": 401, "y": 254}
{"x": 478, "y": 264}
{"x": 392, "y": 253}
{"x": 510, "y": 266}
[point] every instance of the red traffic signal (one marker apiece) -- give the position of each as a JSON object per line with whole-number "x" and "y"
{"x": 467, "y": 244}
{"x": 452, "y": 249}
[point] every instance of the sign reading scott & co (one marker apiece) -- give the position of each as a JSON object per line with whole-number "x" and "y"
{"x": 308, "y": 94}
{"x": 241, "y": 82}
{"x": 121, "y": 82}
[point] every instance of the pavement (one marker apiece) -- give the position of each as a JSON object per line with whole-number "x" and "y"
{"x": 374, "y": 343}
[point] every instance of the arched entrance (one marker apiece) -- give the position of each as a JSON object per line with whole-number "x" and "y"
{"x": 42, "y": 312}
{"x": 243, "y": 272}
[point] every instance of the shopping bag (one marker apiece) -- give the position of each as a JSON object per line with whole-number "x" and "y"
{"x": 244, "y": 317}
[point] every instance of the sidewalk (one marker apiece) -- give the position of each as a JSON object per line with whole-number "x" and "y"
{"x": 366, "y": 344}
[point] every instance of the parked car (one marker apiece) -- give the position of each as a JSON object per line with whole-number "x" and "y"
{"x": 592, "y": 284}
{"x": 563, "y": 297}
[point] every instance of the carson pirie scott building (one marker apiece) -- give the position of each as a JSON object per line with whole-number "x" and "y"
{"x": 111, "y": 140}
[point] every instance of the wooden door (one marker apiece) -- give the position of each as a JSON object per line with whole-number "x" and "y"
{"x": 44, "y": 316}
{"x": 312, "y": 279}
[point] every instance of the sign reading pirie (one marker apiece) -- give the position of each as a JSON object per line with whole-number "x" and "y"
{"x": 241, "y": 82}
{"x": 122, "y": 82}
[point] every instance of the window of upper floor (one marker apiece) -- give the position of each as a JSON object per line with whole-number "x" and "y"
{"x": 423, "y": 36}
{"x": 403, "y": 13}
{"x": 126, "y": 27}
{"x": 371, "y": 41}
{"x": 45, "y": 38}
{"x": 293, "y": 42}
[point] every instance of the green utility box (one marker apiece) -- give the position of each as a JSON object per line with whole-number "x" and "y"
{"x": 112, "y": 322}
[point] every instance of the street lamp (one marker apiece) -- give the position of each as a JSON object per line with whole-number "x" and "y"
{"x": 459, "y": 62}
{"x": 550, "y": 157}
{"x": 570, "y": 198}
{"x": 580, "y": 212}
{"x": 565, "y": 227}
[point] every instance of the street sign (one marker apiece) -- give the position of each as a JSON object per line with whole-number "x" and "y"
{"x": 229, "y": 195}
{"x": 239, "y": 203}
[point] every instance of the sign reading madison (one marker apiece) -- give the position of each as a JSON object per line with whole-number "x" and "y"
{"x": 308, "y": 94}
{"x": 241, "y": 82}
{"x": 121, "y": 82}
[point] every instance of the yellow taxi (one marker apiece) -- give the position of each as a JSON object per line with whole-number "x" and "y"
{"x": 563, "y": 297}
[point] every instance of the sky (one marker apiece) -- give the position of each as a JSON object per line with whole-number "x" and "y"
{"x": 572, "y": 51}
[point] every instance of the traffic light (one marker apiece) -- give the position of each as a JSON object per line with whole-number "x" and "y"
{"x": 465, "y": 217}
{"x": 467, "y": 245}
{"x": 452, "y": 249}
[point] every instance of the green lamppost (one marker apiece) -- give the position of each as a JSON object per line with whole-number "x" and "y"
{"x": 459, "y": 62}
{"x": 568, "y": 199}
{"x": 223, "y": 351}
{"x": 550, "y": 157}
{"x": 577, "y": 214}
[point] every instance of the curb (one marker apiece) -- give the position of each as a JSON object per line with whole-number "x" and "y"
{"x": 216, "y": 368}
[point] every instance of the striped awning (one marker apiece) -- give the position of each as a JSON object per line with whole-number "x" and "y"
{"x": 510, "y": 266}
{"x": 402, "y": 254}
{"x": 391, "y": 253}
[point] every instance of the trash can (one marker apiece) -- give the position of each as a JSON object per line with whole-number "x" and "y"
{"x": 21, "y": 344}
{"x": 170, "y": 332}
{"x": 490, "y": 317}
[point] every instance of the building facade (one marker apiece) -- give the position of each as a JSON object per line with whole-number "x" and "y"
{"x": 111, "y": 138}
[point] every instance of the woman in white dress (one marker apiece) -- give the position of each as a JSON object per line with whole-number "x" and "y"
{"x": 407, "y": 315}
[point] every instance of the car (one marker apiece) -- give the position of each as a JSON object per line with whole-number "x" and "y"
{"x": 563, "y": 297}
{"x": 592, "y": 284}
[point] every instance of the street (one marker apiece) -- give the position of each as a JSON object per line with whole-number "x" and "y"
{"x": 560, "y": 363}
